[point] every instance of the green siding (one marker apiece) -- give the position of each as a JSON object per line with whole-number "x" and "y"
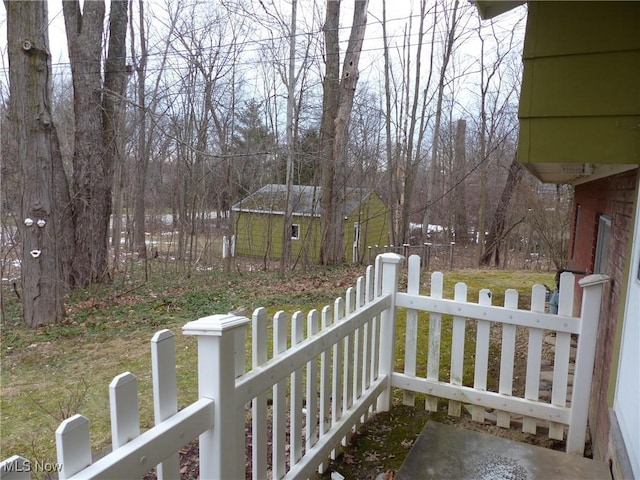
{"x": 579, "y": 140}
{"x": 308, "y": 246}
{"x": 373, "y": 219}
{"x": 580, "y": 99}
{"x": 254, "y": 233}
{"x": 260, "y": 234}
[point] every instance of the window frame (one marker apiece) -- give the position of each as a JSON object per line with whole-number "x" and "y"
{"x": 603, "y": 243}
{"x": 295, "y": 231}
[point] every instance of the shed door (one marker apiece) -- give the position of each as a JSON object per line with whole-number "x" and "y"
{"x": 356, "y": 242}
{"x": 625, "y": 404}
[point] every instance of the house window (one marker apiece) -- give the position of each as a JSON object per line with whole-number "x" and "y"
{"x": 602, "y": 245}
{"x": 576, "y": 224}
{"x": 295, "y": 231}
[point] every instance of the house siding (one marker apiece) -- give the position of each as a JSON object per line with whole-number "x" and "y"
{"x": 373, "y": 219}
{"x": 260, "y": 234}
{"x": 613, "y": 196}
{"x": 580, "y": 101}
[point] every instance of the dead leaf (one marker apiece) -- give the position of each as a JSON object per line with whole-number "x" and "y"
{"x": 406, "y": 443}
{"x": 372, "y": 456}
{"x": 349, "y": 459}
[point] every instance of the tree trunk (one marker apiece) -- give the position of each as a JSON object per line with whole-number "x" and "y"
{"x": 142, "y": 161}
{"x": 460, "y": 162}
{"x": 115, "y": 82}
{"x": 44, "y": 188}
{"x": 285, "y": 258}
{"x": 330, "y": 101}
{"x": 92, "y": 168}
{"x": 432, "y": 169}
{"x": 497, "y": 231}
{"x": 413, "y": 146}
{"x": 394, "y": 195}
{"x": 332, "y": 198}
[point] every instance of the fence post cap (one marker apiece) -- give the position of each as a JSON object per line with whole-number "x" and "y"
{"x": 215, "y": 325}
{"x": 594, "y": 279}
{"x": 391, "y": 258}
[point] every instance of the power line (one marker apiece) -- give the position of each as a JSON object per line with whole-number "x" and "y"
{"x": 181, "y": 54}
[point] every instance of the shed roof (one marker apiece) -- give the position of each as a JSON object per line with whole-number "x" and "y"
{"x": 306, "y": 200}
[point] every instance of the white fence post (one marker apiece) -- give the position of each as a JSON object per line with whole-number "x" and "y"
{"x": 411, "y": 337}
{"x": 389, "y": 265}
{"x": 222, "y": 447}
{"x": 585, "y": 357}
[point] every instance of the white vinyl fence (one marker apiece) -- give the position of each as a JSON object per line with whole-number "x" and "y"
{"x": 324, "y": 373}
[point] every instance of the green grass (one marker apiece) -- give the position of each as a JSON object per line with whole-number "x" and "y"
{"x": 54, "y": 372}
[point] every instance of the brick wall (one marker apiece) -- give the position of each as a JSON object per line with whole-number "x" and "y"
{"x": 613, "y": 196}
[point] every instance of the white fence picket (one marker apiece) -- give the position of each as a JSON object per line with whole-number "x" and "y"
{"x": 259, "y": 403}
{"x": 368, "y": 359}
{"x": 279, "y": 399}
{"x": 311, "y": 435}
{"x": 338, "y": 371}
{"x": 411, "y": 330}
{"x": 359, "y": 355}
{"x": 457, "y": 348}
{"x": 433, "y": 352}
{"x": 73, "y": 445}
{"x": 507, "y": 357}
{"x": 165, "y": 392}
{"x": 123, "y": 402}
{"x": 325, "y": 382}
{"x": 295, "y": 435}
{"x": 562, "y": 353}
{"x": 347, "y": 386}
{"x": 534, "y": 357}
{"x": 482, "y": 355}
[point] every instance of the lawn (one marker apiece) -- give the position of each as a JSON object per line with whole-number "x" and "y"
{"x": 51, "y": 373}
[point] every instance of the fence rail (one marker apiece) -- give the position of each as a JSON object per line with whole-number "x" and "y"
{"x": 328, "y": 371}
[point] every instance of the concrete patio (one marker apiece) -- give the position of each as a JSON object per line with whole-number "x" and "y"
{"x": 447, "y": 452}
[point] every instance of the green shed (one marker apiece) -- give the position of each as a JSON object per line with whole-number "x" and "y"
{"x": 259, "y": 220}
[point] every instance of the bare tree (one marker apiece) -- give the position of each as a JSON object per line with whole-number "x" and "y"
{"x": 453, "y": 25}
{"x": 143, "y": 153}
{"x": 115, "y": 83}
{"x": 338, "y": 102}
{"x": 548, "y": 214}
{"x": 494, "y": 99}
{"x": 92, "y": 161}
{"x": 44, "y": 186}
{"x": 291, "y": 86}
{"x": 206, "y": 50}
{"x": 459, "y": 190}
{"x": 499, "y": 229}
